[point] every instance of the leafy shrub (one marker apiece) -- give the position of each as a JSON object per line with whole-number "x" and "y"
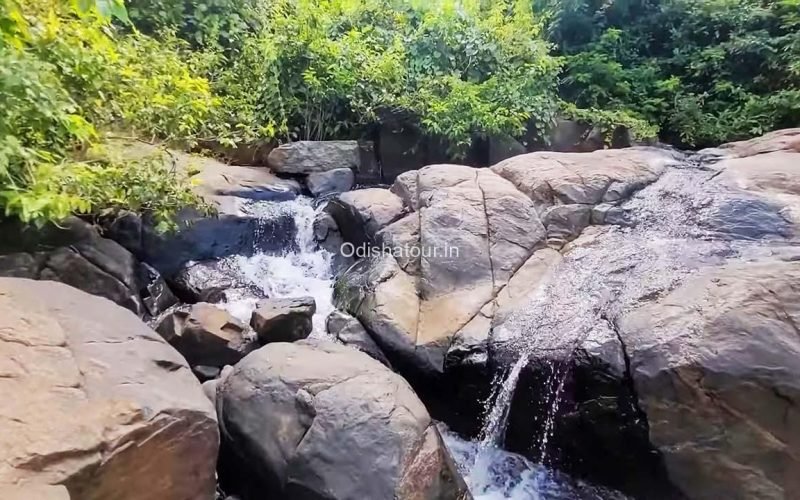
{"x": 704, "y": 72}
{"x": 64, "y": 75}
{"x": 321, "y": 70}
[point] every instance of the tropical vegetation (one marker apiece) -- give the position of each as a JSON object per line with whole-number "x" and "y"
{"x": 74, "y": 73}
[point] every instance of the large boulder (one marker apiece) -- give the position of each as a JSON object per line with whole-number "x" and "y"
{"x": 568, "y": 178}
{"x": 305, "y": 157}
{"x": 715, "y": 368}
{"x": 206, "y": 335}
{"x": 96, "y": 401}
{"x": 74, "y": 253}
{"x": 360, "y": 214}
{"x": 317, "y": 420}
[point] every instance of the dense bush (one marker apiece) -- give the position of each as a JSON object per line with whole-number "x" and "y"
{"x": 65, "y": 76}
{"x": 319, "y": 70}
{"x": 695, "y": 72}
{"x": 704, "y": 71}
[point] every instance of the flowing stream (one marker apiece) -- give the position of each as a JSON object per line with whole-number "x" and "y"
{"x": 302, "y": 269}
{"x": 672, "y": 228}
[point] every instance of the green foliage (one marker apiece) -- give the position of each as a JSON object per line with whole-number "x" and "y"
{"x": 320, "y": 70}
{"x": 64, "y": 75}
{"x": 703, "y": 71}
{"x": 204, "y": 23}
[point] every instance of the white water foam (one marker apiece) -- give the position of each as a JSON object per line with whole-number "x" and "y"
{"x": 494, "y": 474}
{"x": 303, "y": 269}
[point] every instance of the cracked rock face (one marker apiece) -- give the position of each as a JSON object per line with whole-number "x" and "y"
{"x": 715, "y": 365}
{"x": 469, "y": 234}
{"x": 317, "y": 420}
{"x": 96, "y": 401}
{"x": 77, "y": 255}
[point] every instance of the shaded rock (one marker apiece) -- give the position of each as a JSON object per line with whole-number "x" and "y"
{"x": 337, "y": 180}
{"x": 361, "y": 214}
{"x": 283, "y": 320}
{"x": 503, "y": 147}
{"x": 622, "y": 137}
{"x": 400, "y": 149}
{"x": 349, "y": 331}
{"x": 327, "y": 235}
{"x": 199, "y": 237}
{"x": 75, "y": 254}
{"x": 305, "y": 157}
{"x": 206, "y": 335}
{"x": 564, "y": 223}
{"x": 317, "y": 420}
{"x": 569, "y": 136}
{"x": 205, "y": 373}
{"x": 715, "y": 369}
{"x": 368, "y": 171}
{"x": 97, "y": 401}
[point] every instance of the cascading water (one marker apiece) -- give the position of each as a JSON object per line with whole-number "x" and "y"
{"x": 303, "y": 269}
{"x": 668, "y": 230}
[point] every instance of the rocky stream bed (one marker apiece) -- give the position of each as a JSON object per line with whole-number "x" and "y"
{"x": 614, "y": 324}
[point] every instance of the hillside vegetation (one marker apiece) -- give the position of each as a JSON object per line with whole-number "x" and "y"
{"x": 692, "y": 72}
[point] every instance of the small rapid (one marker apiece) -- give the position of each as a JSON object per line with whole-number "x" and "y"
{"x": 301, "y": 269}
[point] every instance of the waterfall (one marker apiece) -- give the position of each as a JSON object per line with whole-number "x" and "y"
{"x": 302, "y": 269}
{"x": 679, "y": 224}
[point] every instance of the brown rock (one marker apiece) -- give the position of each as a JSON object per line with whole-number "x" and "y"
{"x": 206, "y": 335}
{"x": 96, "y": 401}
{"x": 283, "y": 320}
{"x": 586, "y": 178}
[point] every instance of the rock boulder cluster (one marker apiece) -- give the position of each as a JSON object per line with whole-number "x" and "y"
{"x": 690, "y": 390}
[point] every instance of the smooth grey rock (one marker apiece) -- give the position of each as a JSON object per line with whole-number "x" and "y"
{"x": 317, "y": 420}
{"x": 349, "y": 331}
{"x": 715, "y": 368}
{"x": 362, "y": 213}
{"x": 283, "y": 320}
{"x": 333, "y": 181}
{"x": 305, "y": 157}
